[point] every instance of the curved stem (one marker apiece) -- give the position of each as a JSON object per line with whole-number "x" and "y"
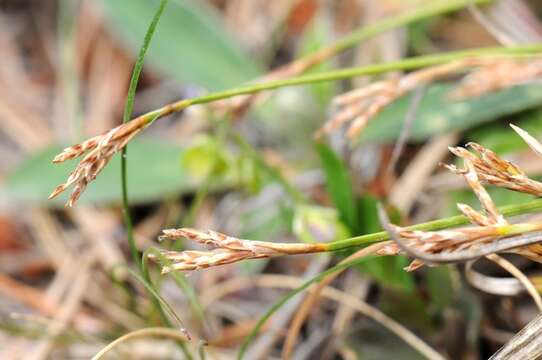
{"x": 152, "y": 331}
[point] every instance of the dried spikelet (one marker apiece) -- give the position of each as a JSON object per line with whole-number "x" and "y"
{"x": 496, "y": 76}
{"x": 77, "y": 150}
{"x": 100, "y": 149}
{"x": 460, "y": 239}
{"x": 226, "y": 249}
{"x": 491, "y": 169}
{"x": 490, "y": 228}
{"x": 361, "y": 105}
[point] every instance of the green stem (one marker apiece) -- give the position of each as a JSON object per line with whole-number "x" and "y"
{"x": 128, "y": 109}
{"x": 363, "y": 240}
{"x": 426, "y": 12}
{"x": 347, "y": 73}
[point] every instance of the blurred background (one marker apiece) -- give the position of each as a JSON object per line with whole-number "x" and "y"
{"x": 64, "y": 73}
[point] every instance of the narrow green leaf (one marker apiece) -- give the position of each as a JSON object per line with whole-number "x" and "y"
{"x": 339, "y": 185}
{"x": 128, "y": 109}
{"x": 439, "y": 285}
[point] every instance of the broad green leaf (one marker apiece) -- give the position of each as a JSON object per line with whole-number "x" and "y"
{"x": 339, "y": 184}
{"x": 154, "y": 171}
{"x": 389, "y": 272}
{"x": 191, "y": 44}
{"x": 438, "y": 114}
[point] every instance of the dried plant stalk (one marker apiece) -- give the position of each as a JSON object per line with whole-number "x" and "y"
{"x": 227, "y": 250}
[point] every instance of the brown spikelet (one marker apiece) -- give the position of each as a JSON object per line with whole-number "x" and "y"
{"x": 359, "y": 106}
{"x": 498, "y": 75}
{"x": 225, "y": 249}
{"x": 99, "y": 151}
{"x": 491, "y": 169}
{"x": 490, "y": 228}
{"x": 77, "y": 150}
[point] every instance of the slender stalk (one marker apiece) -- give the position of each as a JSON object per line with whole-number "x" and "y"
{"x": 334, "y": 75}
{"x": 158, "y": 302}
{"x": 308, "y": 61}
{"x": 363, "y": 240}
{"x": 163, "y": 307}
{"x": 128, "y": 109}
{"x": 153, "y": 331}
{"x": 434, "y": 9}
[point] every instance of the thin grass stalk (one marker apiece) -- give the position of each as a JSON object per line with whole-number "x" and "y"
{"x": 128, "y": 109}
{"x": 163, "y": 309}
{"x": 152, "y": 331}
{"x": 347, "y": 73}
{"x": 429, "y": 11}
{"x": 226, "y": 249}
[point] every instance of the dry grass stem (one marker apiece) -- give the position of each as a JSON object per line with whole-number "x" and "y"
{"x": 146, "y": 332}
{"x": 529, "y": 139}
{"x": 521, "y": 277}
{"x": 525, "y": 345}
{"x": 226, "y": 249}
